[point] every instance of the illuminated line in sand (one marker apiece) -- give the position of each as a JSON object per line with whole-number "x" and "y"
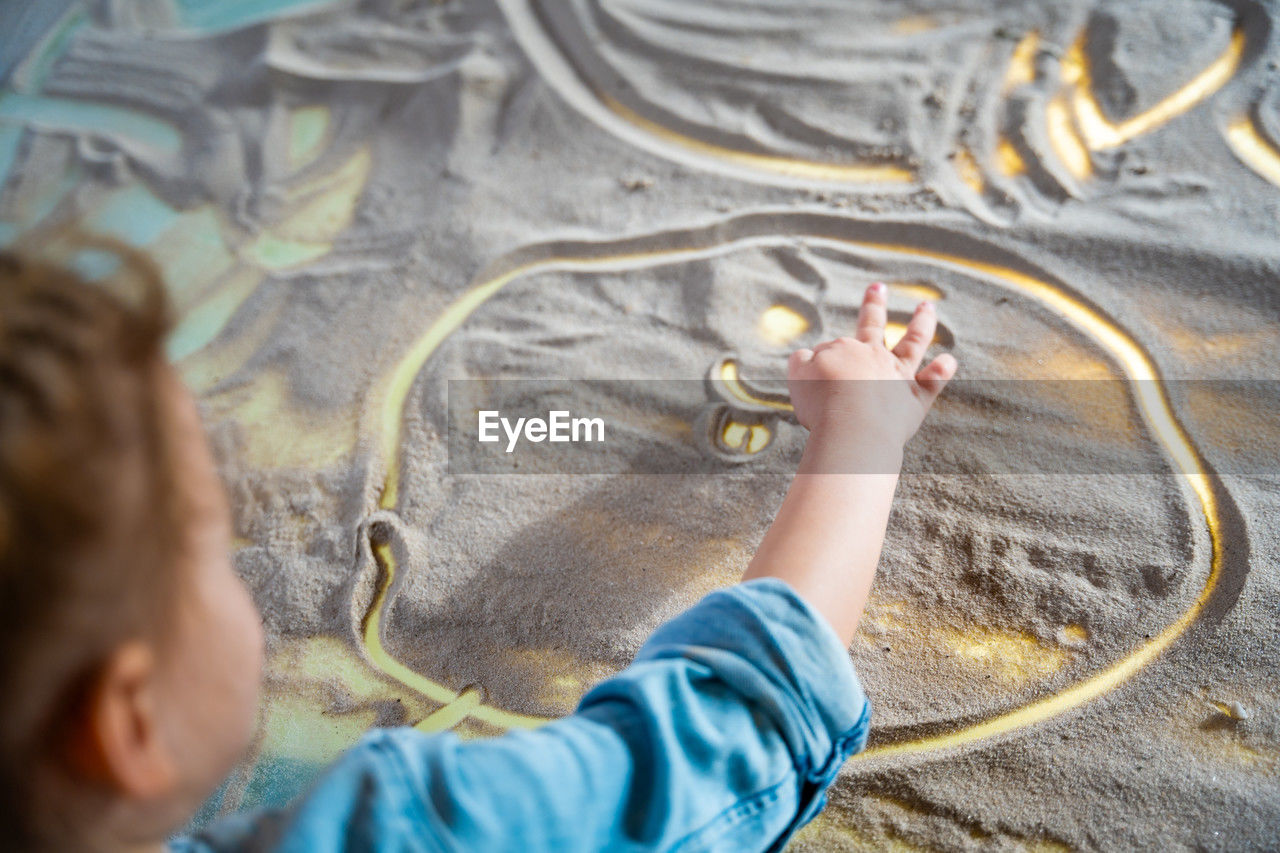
{"x": 1150, "y": 396}
{"x": 1254, "y": 149}
{"x": 1091, "y": 130}
{"x": 729, "y": 376}
{"x": 622, "y": 121}
{"x": 455, "y": 705}
{"x": 1076, "y": 123}
{"x": 1099, "y": 132}
{"x": 849, "y": 173}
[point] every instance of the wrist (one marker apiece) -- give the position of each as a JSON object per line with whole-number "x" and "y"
{"x": 843, "y": 445}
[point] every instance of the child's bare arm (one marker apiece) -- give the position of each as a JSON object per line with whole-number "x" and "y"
{"x": 826, "y": 538}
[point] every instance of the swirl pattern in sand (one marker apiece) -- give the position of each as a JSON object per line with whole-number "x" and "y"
{"x": 1001, "y": 117}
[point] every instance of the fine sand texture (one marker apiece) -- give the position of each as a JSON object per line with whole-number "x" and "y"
{"x": 355, "y": 202}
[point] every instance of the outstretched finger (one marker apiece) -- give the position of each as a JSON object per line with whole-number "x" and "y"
{"x": 910, "y": 350}
{"x": 872, "y": 315}
{"x": 935, "y": 375}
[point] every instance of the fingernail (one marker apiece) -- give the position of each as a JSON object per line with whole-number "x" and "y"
{"x": 925, "y": 306}
{"x": 878, "y": 288}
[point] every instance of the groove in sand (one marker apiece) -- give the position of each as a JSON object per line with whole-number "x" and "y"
{"x": 1149, "y": 395}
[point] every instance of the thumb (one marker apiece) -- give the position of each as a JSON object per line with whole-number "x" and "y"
{"x": 934, "y": 376}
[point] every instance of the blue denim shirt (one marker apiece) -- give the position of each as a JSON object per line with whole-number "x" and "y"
{"x": 723, "y": 734}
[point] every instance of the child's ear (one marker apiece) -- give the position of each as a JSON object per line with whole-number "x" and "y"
{"x": 117, "y": 738}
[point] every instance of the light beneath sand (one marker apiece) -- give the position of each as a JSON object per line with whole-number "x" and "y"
{"x": 750, "y": 438}
{"x": 457, "y": 710}
{"x": 1064, "y": 138}
{"x": 780, "y": 325}
{"x": 85, "y": 117}
{"x": 457, "y": 705}
{"x": 1149, "y": 396}
{"x": 1075, "y": 633}
{"x": 1254, "y": 149}
{"x": 893, "y": 333}
{"x": 307, "y": 127}
{"x": 29, "y": 75}
{"x": 969, "y": 170}
{"x": 564, "y": 677}
{"x": 321, "y": 208}
{"x": 1014, "y": 656}
{"x": 627, "y": 123}
{"x": 916, "y": 290}
{"x": 1075, "y": 123}
{"x": 1009, "y": 159}
{"x": 1100, "y": 133}
{"x": 1074, "y": 120}
{"x": 732, "y": 381}
{"x": 302, "y": 724}
{"x": 1230, "y": 710}
{"x": 210, "y": 274}
{"x": 263, "y": 409}
{"x": 1022, "y": 63}
{"x": 792, "y": 167}
{"x": 913, "y": 24}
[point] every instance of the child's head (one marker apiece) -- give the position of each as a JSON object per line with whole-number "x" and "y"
{"x": 130, "y": 652}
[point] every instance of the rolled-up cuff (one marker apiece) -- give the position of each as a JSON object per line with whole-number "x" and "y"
{"x": 813, "y": 691}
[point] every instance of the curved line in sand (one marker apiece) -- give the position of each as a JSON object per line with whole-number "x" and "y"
{"x": 772, "y": 228}
{"x": 732, "y": 381}
{"x": 1100, "y": 133}
{"x": 455, "y": 705}
{"x": 1083, "y": 128}
{"x": 624, "y": 122}
{"x": 1254, "y": 149}
{"x": 1077, "y": 123}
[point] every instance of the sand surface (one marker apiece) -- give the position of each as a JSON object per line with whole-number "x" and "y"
{"x": 354, "y": 203}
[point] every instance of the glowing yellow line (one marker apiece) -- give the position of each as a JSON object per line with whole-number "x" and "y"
{"x": 397, "y": 389}
{"x": 1065, "y": 139}
{"x": 789, "y": 166}
{"x": 917, "y": 291}
{"x": 407, "y": 370}
{"x": 1256, "y": 152}
{"x": 442, "y": 719}
{"x": 622, "y": 121}
{"x": 729, "y": 376}
{"x": 1100, "y": 133}
{"x": 1022, "y": 63}
{"x": 373, "y": 635}
{"x": 1010, "y": 159}
{"x": 433, "y": 690}
{"x": 1150, "y": 396}
{"x": 969, "y": 170}
{"x": 1163, "y": 423}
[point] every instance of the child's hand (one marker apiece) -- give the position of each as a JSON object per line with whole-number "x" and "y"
{"x": 832, "y": 389}
{"x": 861, "y": 403}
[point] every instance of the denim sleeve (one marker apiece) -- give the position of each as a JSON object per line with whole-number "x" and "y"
{"x": 723, "y": 734}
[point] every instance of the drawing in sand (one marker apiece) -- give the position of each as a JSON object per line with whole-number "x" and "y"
{"x": 354, "y": 203}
